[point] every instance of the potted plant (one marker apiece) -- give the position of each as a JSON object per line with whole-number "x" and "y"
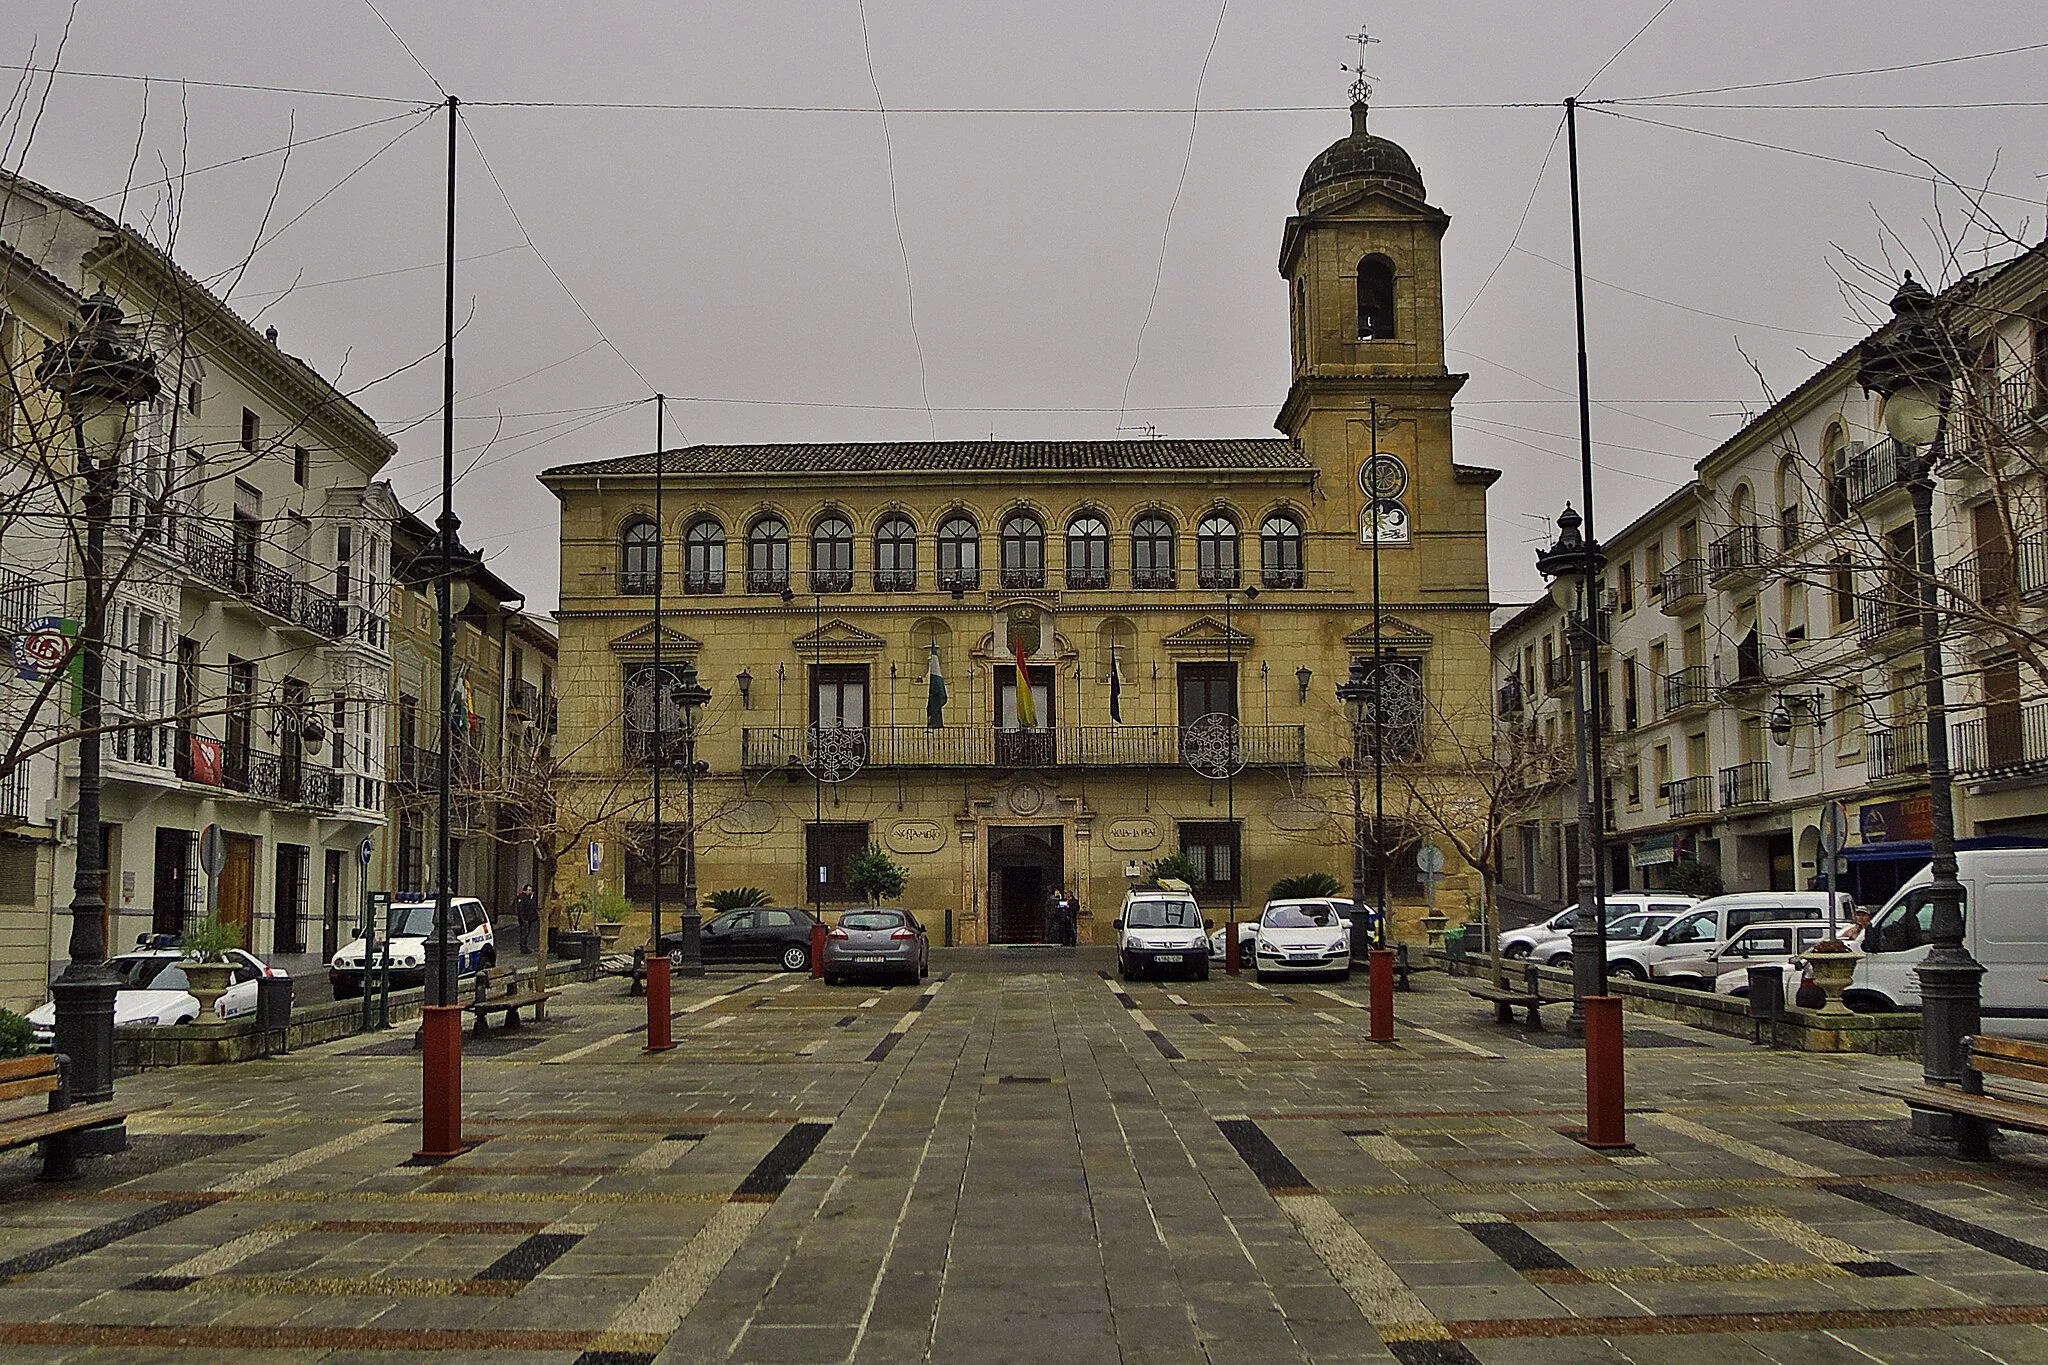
{"x": 609, "y": 911}
{"x": 874, "y": 876}
{"x": 1833, "y": 964}
{"x": 208, "y": 973}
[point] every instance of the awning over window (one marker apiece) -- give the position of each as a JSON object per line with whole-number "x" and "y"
{"x": 1657, "y": 850}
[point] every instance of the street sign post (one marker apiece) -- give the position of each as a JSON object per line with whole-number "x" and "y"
{"x": 213, "y": 856}
{"x": 377, "y": 905}
{"x": 596, "y": 857}
{"x": 1429, "y": 861}
{"x": 1834, "y": 830}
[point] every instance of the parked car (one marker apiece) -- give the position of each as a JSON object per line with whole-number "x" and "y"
{"x": 2004, "y": 927}
{"x": 1248, "y": 928}
{"x": 1682, "y": 955}
{"x": 1159, "y": 929}
{"x": 1526, "y": 941}
{"x": 154, "y": 991}
{"x": 403, "y": 946}
{"x": 1303, "y": 936}
{"x": 1771, "y": 943}
{"x": 878, "y": 942}
{"x": 773, "y": 935}
{"x": 1633, "y": 928}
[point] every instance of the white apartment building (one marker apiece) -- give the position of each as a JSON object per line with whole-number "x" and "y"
{"x": 1763, "y": 640}
{"x": 248, "y": 663}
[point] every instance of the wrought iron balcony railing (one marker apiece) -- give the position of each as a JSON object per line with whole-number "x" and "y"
{"x": 1685, "y": 688}
{"x": 1746, "y": 784}
{"x": 1892, "y": 750}
{"x": 1737, "y": 554}
{"x": 2004, "y": 741}
{"x": 767, "y": 580}
{"x": 1688, "y": 796}
{"x": 973, "y": 746}
{"x": 1683, "y": 586}
{"x": 1876, "y": 471}
{"x": 895, "y": 580}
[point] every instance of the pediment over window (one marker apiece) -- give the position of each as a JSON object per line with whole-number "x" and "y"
{"x": 838, "y": 639}
{"x": 1207, "y": 636}
{"x": 674, "y": 644}
{"x": 1396, "y": 635}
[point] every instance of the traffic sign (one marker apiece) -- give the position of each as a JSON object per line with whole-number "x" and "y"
{"x": 364, "y": 850}
{"x": 213, "y": 850}
{"x": 1429, "y": 859}
{"x": 596, "y": 855}
{"x": 1834, "y": 827}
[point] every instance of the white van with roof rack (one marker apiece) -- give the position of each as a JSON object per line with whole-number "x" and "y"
{"x": 1160, "y": 929}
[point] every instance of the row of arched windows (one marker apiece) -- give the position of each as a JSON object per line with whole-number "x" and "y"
{"x": 1153, "y": 557}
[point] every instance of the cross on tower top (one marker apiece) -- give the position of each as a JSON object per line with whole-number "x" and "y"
{"x": 1361, "y": 81}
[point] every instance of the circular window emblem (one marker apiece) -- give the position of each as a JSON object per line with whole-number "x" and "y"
{"x": 1383, "y": 477}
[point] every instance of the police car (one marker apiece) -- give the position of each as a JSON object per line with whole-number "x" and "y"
{"x": 403, "y": 944}
{"x": 153, "y": 989}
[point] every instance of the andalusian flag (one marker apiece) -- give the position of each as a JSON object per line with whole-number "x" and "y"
{"x": 1027, "y": 706}
{"x": 462, "y": 712}
{"x": 1116, "y": 690}
{"x": 935, "y": 699}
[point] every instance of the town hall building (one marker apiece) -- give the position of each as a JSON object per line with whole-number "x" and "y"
{"x": 1137, "y": 643}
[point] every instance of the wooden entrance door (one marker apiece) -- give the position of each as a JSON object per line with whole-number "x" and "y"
{"x": 238, "y": 887}
{"x": 1025, "y": 865}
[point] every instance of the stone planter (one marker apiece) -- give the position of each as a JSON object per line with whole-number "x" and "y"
{"x": 1433, "y": 929}
{"x": 608, "y": 933}
{"x": 208, "y": 981}
{"x": 1833, "y": 967}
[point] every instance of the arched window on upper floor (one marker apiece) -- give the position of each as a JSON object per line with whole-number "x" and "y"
{"x": 1375, "y": 299}
{"x": 1152, "y": 552}
{"x": 768, "y": 555}
{"x": 959, "y": 552}
{"x": 1791, "y": 502}
{"x": 895, "y": 554}
{"x": 639, "y": 555}
{"x": 1280, "y": 558}
{"x": 704, "y": 556}
{"x": 1087, "y": 551}
{"x": 832, "y": 554}
{"x": 1023, "y": 551}
{"x": 1834, "y": 474}
{"x": 1216, "y": 551}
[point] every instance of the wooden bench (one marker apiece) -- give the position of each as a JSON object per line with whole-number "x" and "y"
{"x": 1507, "y": 999}
{"x": 48, "y": 1074}
{"x": 1978, "y": 1111}
{"x": 509, "y": 1004}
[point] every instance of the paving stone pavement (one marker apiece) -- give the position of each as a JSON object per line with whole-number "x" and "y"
{"x": 1026, "y": 1160}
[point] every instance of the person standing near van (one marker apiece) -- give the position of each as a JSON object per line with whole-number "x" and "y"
{"x": 1859, "y": 924}
{"x": 526, "y": 910}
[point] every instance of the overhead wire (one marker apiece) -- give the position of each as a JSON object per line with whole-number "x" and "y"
{"x": 1834, "y": 75}
{"x": 1515, "y": 240}
{"x": 896, "y": 214}
{"x": 1688, "y": 308}
{"x": 1625, "y": 47}
{"x": 408, "y": 48}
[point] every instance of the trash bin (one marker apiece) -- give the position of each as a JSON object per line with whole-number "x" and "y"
{"x": 1766, "y": 1002}
{"x": 274, "y": 1008}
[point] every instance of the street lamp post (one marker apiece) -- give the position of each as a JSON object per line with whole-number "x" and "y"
{"x": 1573, "y": 565}
{"x": 1907, "y": 364}
{"x": 1356, "y": 694}
{"x": 691, "y": 697}
{"x": 100, "y": 381}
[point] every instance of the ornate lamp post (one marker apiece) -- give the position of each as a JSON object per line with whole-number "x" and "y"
{"x": 1573, "y": 566}
{"x": 1356, "y": 694}
{"x": 1907, "y": 364}
{"x": 101, "y": 380}
{"x": 691, "y": 697}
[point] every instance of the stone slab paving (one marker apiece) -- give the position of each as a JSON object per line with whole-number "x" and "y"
{"x": 1026, "y": 1160}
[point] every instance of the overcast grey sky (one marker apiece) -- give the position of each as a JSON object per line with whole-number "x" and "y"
{"x": 747, "y": 261}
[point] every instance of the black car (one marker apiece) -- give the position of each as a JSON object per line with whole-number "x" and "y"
{"x": 767, "y": 934}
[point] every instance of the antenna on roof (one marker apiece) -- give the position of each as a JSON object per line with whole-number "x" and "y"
{"x": 1151, "y": 432}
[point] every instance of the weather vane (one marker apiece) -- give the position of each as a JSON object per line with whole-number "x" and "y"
{"x": 1361, "y": 82}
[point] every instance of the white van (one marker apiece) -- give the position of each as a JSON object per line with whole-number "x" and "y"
{"x": 1684, "y": 954}
{"x": 2005, "y": 927}
{"x": 1160, "y": 930}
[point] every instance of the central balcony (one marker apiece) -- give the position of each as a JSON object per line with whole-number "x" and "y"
{"x": 1689, "y": 796}
{"x": 235, "y": 566}
{"x": 1745, "y": 784}
{"x": 1068, "y": 746}
{"x": 1876, "y": 471}
{"x": 1893, "y": 750}
{"x": 1736, "y": 557}
{"x": 1683, "y": 587}
{"x": 1686, "y": 688}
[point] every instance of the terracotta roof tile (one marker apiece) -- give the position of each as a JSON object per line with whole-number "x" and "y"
{"x": 891, "y": 457}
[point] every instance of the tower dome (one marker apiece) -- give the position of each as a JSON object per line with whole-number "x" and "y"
{"x": 1355, "y": 162}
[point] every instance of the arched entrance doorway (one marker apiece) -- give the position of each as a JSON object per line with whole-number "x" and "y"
{"x": 1025, "y": 865}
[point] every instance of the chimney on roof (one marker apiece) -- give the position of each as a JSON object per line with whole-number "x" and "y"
{"x": 270, "y": 335}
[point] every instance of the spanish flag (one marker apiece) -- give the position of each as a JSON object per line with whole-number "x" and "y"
{"x": 1027, "y": 707}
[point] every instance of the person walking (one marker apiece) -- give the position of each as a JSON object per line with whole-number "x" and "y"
{"x": 526, "y": 910}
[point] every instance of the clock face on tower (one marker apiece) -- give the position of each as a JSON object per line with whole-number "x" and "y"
{"x": 1382, "y": 477}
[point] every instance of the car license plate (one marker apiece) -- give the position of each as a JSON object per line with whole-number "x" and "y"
{"x": 870, "y": 958}
{"x": 1302, "y": 957}
{"x": 1167, "y": 957}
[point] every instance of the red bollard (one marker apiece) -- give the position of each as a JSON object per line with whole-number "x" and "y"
{"x": 441, "y": 1081}
{"x": 1606, "y": 1123}
{"x": 1380, "y": 983}
{"x": 659, "y": 1038}
{"x": 1233, "y": 949}
{"x": 818, "y": 950}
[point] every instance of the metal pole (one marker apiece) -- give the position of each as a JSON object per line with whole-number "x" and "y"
{"x": 440, "y": 1018}
{"x": 1230, "y": 779}
{"x": 660, "y": 691}
{"x": 1589, "y": 941}
{"x": 1950, "y": 978}
{"x": 817, "y": 731}
{"x": 1379, "y": 724}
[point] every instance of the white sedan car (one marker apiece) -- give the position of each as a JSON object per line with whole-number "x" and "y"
{"x": 1627, "y": 929}
{"x": 153, "y": 991}
{"x": 1776, "y": 945}
{"x": 1302, "y": 937}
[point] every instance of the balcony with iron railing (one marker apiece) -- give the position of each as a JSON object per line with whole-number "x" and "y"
{"x": 1557, "y": 674}
{"x": 525, "y": 699}
{"x": 235, "y": 566}
{"x": 1276, "y": 576}
{"x": 1508, "y": 697}
{"x": 2030, "y": 566}
{"x": 1683, "y": 586}
{"x": 704, "y": 582}
{"x": 1877, "y": 470}
{"x": 895, "y": 580}
{"x": 831, "y": 580}
{"x": 2005, "y": 741}
{"x": 1894, "y": 750}
{"x": 14, "y": 795}
{"x": 1886, "y": 613}
{"x": 282, "y": 778}
{"x": 1746, "y": 784}
{"x": 1025, "y": 578}
{"x": 1686, "y": 797}
{"x": 1216, "y": 578}
{"x": 1082, "y": 576}
{"x": 959, "y": 580}
{"x": 1736, "y": 557}
{"x": 1067, "y": 746}
{"x": 767, "y": 580}
{"x": 1152, "y": 579}
{"x": 2015, "y": 401}
{"x": 18, "y": 600}
{"x": 1686, "y": 688}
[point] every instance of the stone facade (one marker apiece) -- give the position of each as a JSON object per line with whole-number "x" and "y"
{"x": 1185, "y": 577}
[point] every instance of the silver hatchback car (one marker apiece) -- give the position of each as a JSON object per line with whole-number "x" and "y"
{"x": 881, "y": 942}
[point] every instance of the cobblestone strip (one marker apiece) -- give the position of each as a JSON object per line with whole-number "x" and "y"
{"x": 1735, "y": 1146}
